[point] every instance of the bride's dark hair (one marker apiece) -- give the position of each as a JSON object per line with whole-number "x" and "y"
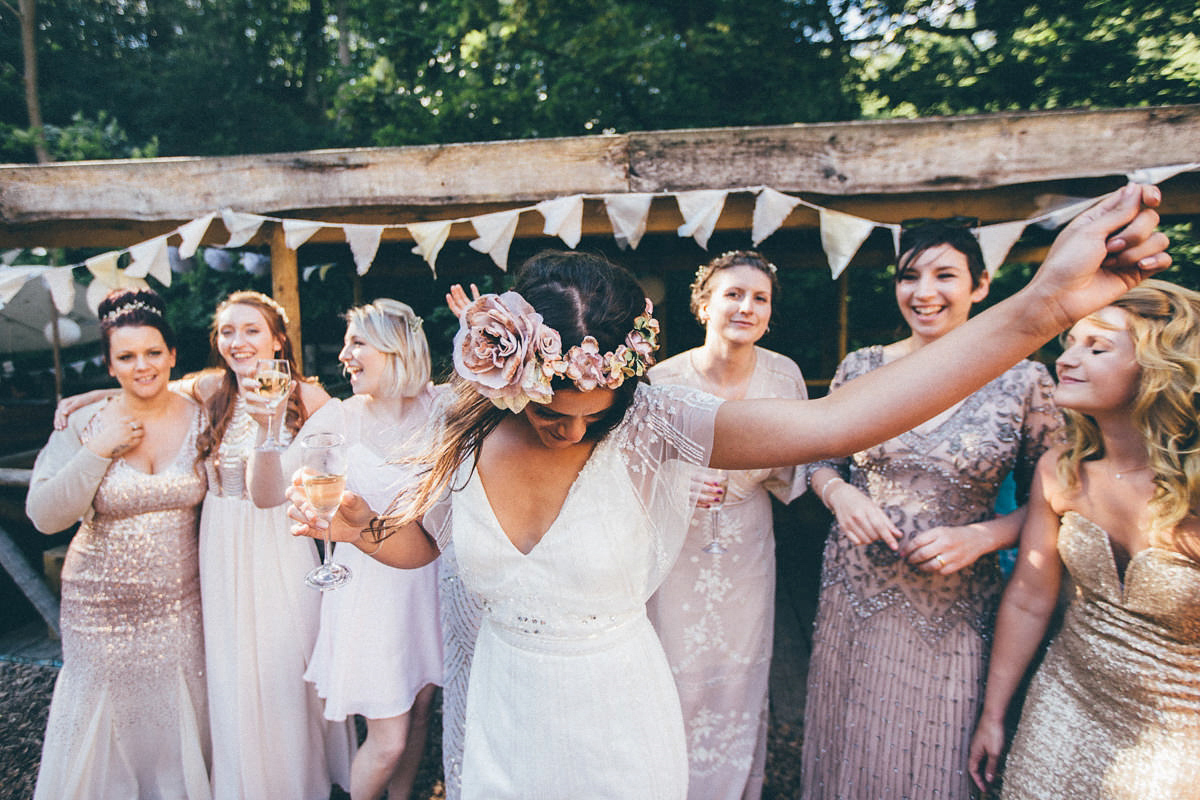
{"x": 577, "y": 294}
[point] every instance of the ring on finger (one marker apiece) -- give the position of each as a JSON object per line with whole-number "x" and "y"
{"x": 941, "y": 562}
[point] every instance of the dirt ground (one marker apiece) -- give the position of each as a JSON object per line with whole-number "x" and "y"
{"x": 25, "y": 700}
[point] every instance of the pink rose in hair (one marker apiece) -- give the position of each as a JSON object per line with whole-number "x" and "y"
{"x": 497, "y": 347}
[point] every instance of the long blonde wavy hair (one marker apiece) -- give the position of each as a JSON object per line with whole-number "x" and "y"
{"x": 1164, "y": 323}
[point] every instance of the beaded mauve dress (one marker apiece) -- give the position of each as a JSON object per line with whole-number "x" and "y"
{"x": 715, "y": 614}
{"x": 1114, "y": 710}
{"x": 570, "y": 694}
{"x": 898, "y": 661}
{"x": 128, "y": 718}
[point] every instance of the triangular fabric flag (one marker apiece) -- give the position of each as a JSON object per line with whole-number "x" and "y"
{"x": 700, "y": 209}
{"x": 13, "y": 279}
{"x": 771, "y": 208}
{"x": 298, "y": 231}
{"x": 61, "y": 283}
{"x": 430, "y": 236}
{"x": 97, "y": 289}
{"x": 996, "y": 240}
{"x": 841, "y": 236}
{"x": 241, "y": 227}
{"x": 192, "y": 233}
{"x": 364, "y": 244}
{"x": 627, "y": 214}
{"x": 564, "y": 218}
{"x": 104, "y": 267}
{"x": 150, "y": 258}
{"x": 897, "y": 231}
{"x": 1157, "y": 175}
{"x": 1064, "y": 210}
{"x": 496, "y": 232}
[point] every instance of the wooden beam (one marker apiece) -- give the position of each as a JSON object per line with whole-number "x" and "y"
{"x": 876, "y": 165}
{"x": 285, "y": 288}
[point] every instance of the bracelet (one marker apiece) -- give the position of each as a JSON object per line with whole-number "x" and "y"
{"x": 824, "y": 489}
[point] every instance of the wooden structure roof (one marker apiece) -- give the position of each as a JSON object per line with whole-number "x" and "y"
{"x": 997, "y": 167}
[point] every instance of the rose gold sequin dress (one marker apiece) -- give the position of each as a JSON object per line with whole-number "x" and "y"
{"x": 128, "y": 718}
{"x": 1114, "y": 710}
{"x": 898, "y": 661}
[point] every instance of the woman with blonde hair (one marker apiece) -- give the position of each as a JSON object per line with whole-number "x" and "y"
{"x": 379, "y": 652}
{"x": 566, "y": 484}
{"x": 1113, "y": 711}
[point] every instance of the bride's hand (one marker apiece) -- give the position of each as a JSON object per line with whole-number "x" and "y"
{"x": 1101, "y": 254}
{"x": 353, "y": 515}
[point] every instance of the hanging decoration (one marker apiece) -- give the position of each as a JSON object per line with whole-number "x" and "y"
{"x": 841, "y": 234}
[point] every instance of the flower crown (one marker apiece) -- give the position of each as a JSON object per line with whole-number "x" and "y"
{"x": 510, "y": 356}
{"x": 129, "y": 308}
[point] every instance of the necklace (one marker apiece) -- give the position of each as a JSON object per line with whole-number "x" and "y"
{"x": 1121, "y": 475}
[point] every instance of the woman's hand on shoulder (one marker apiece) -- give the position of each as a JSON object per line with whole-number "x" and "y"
{"x": 69, "y": 405}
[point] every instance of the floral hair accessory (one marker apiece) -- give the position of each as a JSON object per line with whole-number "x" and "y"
{"x": 505, "y": 350}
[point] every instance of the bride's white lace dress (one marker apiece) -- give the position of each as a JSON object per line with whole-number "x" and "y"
{"x": 570, "y": 694}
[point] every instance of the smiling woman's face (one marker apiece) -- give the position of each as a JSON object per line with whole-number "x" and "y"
{"x": 565, "y": 420}
{"x": 243, "y": 337}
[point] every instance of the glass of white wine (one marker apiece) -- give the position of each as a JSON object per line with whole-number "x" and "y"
{"x": 274, "y": 379}
{"x": 323, "y": 473}
{"x": 714, "y": 546}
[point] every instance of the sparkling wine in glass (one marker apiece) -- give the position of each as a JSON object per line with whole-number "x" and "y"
{"x": 274, "y": 379}
{"x": 323, "y": 474}
{"x": 714, "y": 546}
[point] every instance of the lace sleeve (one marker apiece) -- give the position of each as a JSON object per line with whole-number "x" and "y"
{"x": 1041, "y": 428}
{"x": 665, "y": 436}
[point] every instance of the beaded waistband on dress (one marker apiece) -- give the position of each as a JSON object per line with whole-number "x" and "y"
{"x": 574, "y": 633}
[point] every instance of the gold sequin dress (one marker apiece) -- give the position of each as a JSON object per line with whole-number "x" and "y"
{"x": 898, "y": 660}
{"x": 1114, "y": 710}
{"x": 128, "y": 718}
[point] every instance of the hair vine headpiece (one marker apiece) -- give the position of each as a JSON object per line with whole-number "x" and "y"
{"x": 505, "y": 350}
{"x": 414, "y": 324}
{"x": 128, "y": 308}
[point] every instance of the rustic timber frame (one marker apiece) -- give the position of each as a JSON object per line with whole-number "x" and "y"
{"x": 997, "y": 167}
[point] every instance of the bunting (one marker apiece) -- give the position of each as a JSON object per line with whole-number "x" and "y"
{"x": 841, "y": 234}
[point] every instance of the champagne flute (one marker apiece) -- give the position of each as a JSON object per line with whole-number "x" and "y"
{"x": 714, "y": 546}
{"x": 274, "y": 378}
{"x": 323, "y": 474}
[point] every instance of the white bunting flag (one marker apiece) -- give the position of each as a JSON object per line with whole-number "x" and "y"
{"x": 298, "y": 231}
{"x": 996, "y": 240}
{"x": 430, "y": 236}
{"x": 496, "y": 232}
{"x": 150, "y": 258}
{"x": 1063, "y": 210}
{"x": 61, "y": 283}
{"x": 841, "y": 236}
{"x": 192, "y": 234}
{"x": 627, "y": 214}
{"x": 104, "y": 267}
{"x": 11, "y": 281}
{"x": 1157, "y": 175}
{"x": 700, "y": 209}
{"x": 241, "y": 227}
{"x": 564, "y": 218}
{"x": 771, "y": 208}
{"x": 364, "y": 244}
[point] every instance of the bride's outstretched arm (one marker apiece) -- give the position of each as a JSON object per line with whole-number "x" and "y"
{"x": 1104, "y": 252}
